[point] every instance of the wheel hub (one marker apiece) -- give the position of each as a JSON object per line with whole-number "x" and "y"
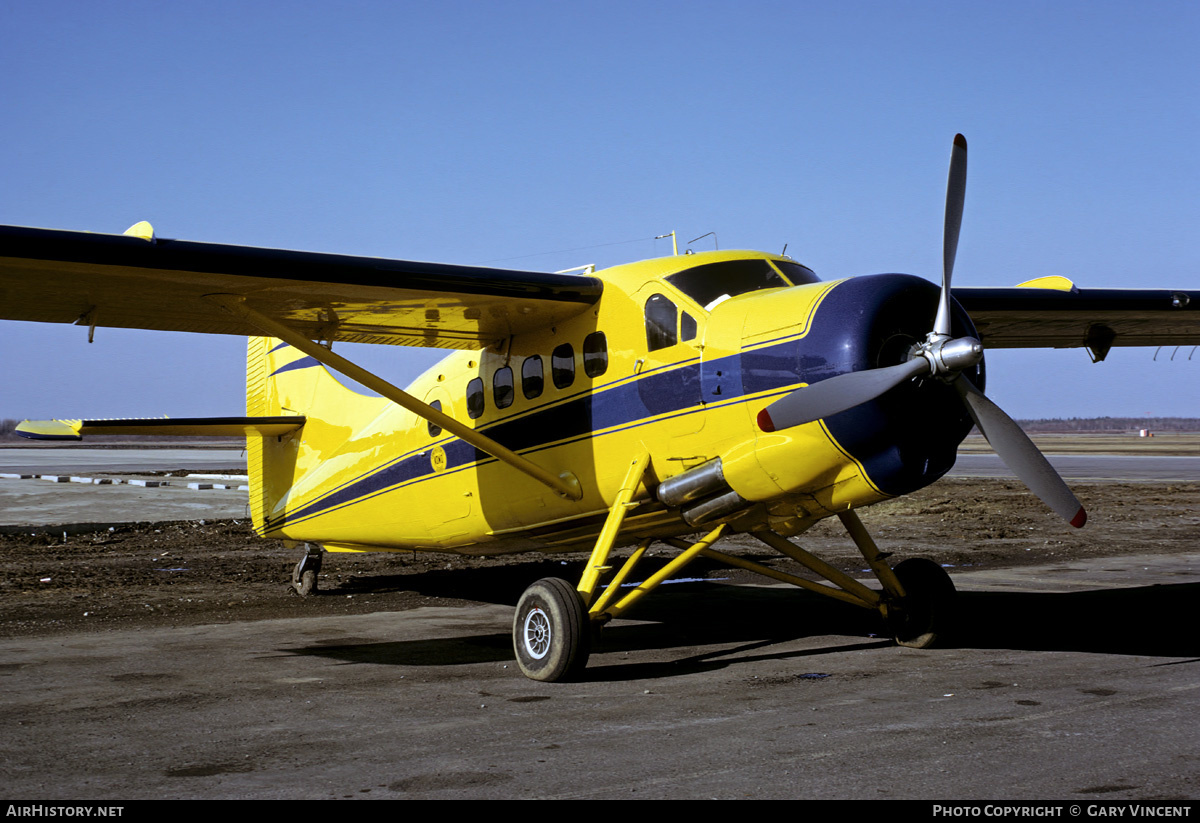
{"x": 537, "y": 633}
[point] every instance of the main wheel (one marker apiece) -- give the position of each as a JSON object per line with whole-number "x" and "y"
{"x": 925, "y": 615}
{"x": 550, "y": 631}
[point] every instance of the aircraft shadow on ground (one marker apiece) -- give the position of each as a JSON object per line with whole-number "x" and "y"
{"x": 713, "y": 624}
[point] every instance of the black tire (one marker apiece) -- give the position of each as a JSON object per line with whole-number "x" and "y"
{"x": 926, "y": 613}
{"x": 551, "y": 635}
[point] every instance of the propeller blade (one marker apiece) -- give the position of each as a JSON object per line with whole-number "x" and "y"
{"x": 836, "y": 394}
{"x": 1019, "y": 454}
{"x": 956, "y": 193}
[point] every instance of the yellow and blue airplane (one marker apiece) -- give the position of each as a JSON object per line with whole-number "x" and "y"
{"x": 704, "y": 394}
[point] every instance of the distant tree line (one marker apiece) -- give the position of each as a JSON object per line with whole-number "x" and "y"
{"x": 1112, "y": 424}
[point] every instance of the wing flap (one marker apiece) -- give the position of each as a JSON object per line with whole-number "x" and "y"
{"x": 130, "y": 282}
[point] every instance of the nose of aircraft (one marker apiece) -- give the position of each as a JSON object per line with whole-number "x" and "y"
{"x": 907, "y": 436}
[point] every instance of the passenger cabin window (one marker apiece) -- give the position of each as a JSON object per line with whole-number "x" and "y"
{"x": 532, "y": 379}
{"x": 660, "y": 323}
{"x": 434, "y": 431}
{"x": 711, "y": 284}
{"x": 475, "y": 398}
{"x": 562, "y": 366}
{"x": 502, "y": 388}
{"x": 595, "y": 354}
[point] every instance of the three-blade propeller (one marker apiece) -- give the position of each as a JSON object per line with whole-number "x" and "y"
{"x": 945, "y": 358}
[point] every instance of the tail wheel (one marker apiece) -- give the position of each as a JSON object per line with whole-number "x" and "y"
{"x": 550, "y": 631}
{"x": 926, "y": 613}
{"x": 304, "y": 582}
{"x": 304, "y": 576}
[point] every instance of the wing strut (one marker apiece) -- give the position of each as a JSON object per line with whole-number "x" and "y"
{"x": 566, "y": 484}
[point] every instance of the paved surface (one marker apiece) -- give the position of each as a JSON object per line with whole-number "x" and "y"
{"x": 75, "y": 459}
{"x": 1074, "y": 681}
{"x": 1063, "y": 691}
{"x": 1091, "y": 467}
{"x": 75, "y": 507}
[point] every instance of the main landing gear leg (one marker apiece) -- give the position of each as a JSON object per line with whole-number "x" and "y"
{"x": 304, "y": 576}
{"x": 552, "y": 628}
{"x": 918, "y": 602}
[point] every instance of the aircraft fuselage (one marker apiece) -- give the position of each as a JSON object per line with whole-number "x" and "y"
{"x": 676, "y": 359}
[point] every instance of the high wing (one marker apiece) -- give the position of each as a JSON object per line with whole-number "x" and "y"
{"x": 1029, "y": 317}
{"x": 144, "y": 282}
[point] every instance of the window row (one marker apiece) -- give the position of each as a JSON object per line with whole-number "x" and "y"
{"x": 533, "y": 382}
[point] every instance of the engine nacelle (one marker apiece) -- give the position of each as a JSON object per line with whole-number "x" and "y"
{"x": 762, "y": 346}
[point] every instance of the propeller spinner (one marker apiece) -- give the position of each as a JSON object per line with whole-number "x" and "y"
{"x": 944, "y": 358}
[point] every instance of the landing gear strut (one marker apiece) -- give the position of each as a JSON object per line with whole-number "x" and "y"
{"x": 554, "y": 622}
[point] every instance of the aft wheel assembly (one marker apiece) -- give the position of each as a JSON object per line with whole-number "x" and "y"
{"x": 304, "y": 576}
{"x": 925, "y": 614}
{"x": 551, "y": 635}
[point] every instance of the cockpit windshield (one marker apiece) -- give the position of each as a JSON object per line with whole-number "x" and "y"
{"x": 716, "y": 282}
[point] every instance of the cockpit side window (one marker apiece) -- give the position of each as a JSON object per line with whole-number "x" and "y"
{"x": 687, "y": 326}
{"x": 660, "y": 323}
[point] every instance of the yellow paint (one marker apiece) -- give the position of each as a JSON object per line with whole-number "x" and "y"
{"x": 347, "y": 479}
{"x": 141, "y": 229}
{"x": 1054, "y": 281}
{"x": 369, "y": 474}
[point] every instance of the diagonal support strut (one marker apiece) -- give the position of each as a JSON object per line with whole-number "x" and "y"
{"x": 566, "y": 484}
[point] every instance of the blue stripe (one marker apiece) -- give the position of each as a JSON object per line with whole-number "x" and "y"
{"x": 904, "y": 440}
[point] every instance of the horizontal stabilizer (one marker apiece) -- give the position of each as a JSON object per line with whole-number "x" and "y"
{"x": 161, "y": 427}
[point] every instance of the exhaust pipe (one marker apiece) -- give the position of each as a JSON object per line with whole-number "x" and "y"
{"x": 714, "y": 508}
{"x": 703, "y": 481}
{"x": 705, "y": 487}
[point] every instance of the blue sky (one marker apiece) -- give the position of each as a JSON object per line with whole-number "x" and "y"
{"x": 496, "y": 132}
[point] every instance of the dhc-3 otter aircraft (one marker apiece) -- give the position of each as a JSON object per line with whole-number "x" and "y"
{"x": 706, "y": 394}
